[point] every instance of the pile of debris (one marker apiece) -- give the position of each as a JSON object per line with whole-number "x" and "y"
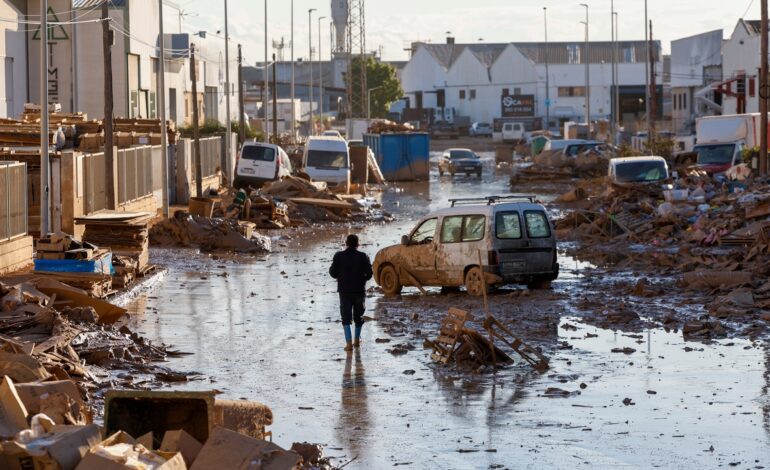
{"x": 382, "y": 126}
{"x": 467, "y": 348}
{"x": 126, "y": 234}
{"x": 43, "y": 426}
{"x": 295, "y": 201}
{"x": 209, "y": 234}
{"x": 81, "y": 264}
{"x": 554, "y": 164}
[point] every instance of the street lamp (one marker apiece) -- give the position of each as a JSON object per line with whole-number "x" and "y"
{"x": 369, "y": 103}
{"x": 320, "y": 71}
{"x": 547, "y": 125}
{"x": 587, "y": 61}
{"x": 310, "y": 63}
{"x": 264, "y": 93}
{"x": 293, "y": 110}
{"x": 618, "y": 118}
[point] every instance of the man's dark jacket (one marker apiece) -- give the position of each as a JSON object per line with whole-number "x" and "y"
{"x": 351, "y": 269}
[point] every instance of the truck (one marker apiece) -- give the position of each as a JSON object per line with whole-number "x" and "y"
{"x": 722, "y": 139}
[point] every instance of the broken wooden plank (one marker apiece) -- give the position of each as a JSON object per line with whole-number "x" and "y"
{"x": 328, "y": 203}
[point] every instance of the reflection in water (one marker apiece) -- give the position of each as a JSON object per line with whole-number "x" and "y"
{"x": 354, "y": 419}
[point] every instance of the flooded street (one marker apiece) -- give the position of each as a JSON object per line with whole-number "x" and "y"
{"x": 267, "y": 329}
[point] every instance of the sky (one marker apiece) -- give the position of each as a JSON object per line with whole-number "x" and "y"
{"x": 393, "y": 24}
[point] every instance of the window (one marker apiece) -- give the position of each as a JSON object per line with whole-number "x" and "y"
{"x": 425, "y": 232}
{"x": 517, "y": 91}
{"x": 570, "y": 91}
{"x": 629, "y": 55}
{"x": 508, "y": 225}
{"x": 573, "y": 54}
{"x": 257, "y": 152}
{"x": 462, "y": 94}
{"x": 327, "y": 159}
{"x": 537, "y": 224}
{"x": 506, "y": 92}
{"x": 473, "y": 94}
{"x": 684, "y": 100}
{"x": 463, "y": 228}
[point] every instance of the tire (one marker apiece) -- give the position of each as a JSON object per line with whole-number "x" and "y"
{"x": 474, "y": 283}
{"x": 478, "y": 174}
{"x": 540, "y": 284}
{"x": 389, "y": 280}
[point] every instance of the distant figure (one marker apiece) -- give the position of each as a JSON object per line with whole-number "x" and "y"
{"x": 351, "y": 269}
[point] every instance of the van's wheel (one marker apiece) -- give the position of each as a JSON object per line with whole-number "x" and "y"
{"x": 440, "y": 171}
{"x": 474, "y": 283}
{"x": 540, "y": 284}
{"x": 389, "y": 281}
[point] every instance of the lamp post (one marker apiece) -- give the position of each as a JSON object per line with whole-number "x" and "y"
{"x": 547, "y": 77}
{"x": 266, "y": 128}
{"x": 369, "y": 103}
{"x": 228, "y": 96}
{"x": 613, "y": 117}
{"x": 293, "y": 110}
{"x": 618, "y": 118}
{"x": 310, "y": 62}
{"x": 647, "y": 75}
{"x": 320, "y": 72}
{"x": 162, "y": 109}
{"x": 587, "y": 61}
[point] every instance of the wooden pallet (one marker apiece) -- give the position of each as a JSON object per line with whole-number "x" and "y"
{"x": 528, "y": 353}
{"x": 450, "y": 332}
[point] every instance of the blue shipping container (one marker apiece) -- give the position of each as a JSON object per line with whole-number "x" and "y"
{"x": 401, "y": 156}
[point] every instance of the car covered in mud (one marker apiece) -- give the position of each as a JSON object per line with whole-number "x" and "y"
{"x": 505, "y": 239}
{"x": 459, "y": 161}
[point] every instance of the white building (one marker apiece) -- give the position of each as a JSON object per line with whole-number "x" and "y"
{"x": 13, "y": 58}
{"x": 741, "y": 62}
{"x": 76, "y": 69}
{"x": 696, "y": 64}
{"x": 475, "y": 80}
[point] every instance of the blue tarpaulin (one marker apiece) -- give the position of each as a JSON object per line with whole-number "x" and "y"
{"x": 101, "y": 264}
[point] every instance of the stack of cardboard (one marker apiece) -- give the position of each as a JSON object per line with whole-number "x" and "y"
{"x": 125, "y": 233}
{"x": 80, "y": 264}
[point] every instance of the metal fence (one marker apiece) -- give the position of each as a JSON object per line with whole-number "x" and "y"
{"x": 211, "y": 156}
{"x": 93, "y": 170}
{"x": 13, "y": 200}
{"x": 134, "y": 174}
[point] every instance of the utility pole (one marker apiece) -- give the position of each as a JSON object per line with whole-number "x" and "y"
{"x": 275, "y": 100}
{"x": 196, "y": 130}
{"x": 162, "y": 106}
{"x": 647, "y": 75}
{"x": 587, "y": 61}
{"x": 547, "y": 125}
{"x": 653, "y": 92}
{"x": 320, "y": 72}
{"x": 241, "y": 117}
{"x": 763, "y": 87}
{"x": 310, "y": 62}
{"x": 293, "y": 108}
{"x": 109, "y": 157}
{"x": 228, "y": 96}
{"x": 618, "y": 118}
{"x": 45, "y": 136}
{"x": 613, "y": 117}
{"x": 266, "y": 79}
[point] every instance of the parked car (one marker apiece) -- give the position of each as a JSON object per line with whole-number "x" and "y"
{"x": 507, "y": 240}
{"x": 332, "y": 133}
{"x": 443, "y": 129}
{"x": 514, "y": 132}
{"x": 328, "y": 159}
{"x": 575, "y": 149}
{"x": 638, "y": 170}
{"x": 560, "y": 144}
{"x": 259, "y": 163}
{"x": 481, "y": 129}
{"x": 459, "y": 161}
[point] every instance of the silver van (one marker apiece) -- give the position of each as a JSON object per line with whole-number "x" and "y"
{"x": 507, "y": 239}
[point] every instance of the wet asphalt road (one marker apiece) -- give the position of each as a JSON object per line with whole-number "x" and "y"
{"x": 268, "y": 330}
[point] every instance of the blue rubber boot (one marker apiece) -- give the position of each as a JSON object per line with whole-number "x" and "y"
{"x": 348, "y": 338}
{"x": 357, "y": 343}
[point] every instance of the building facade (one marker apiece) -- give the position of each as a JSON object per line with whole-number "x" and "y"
{"x": 491, "y": 81}
{"x": 13, "y": 58}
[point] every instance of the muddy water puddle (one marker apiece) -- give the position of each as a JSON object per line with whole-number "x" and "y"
{"x": 267, "y": 329}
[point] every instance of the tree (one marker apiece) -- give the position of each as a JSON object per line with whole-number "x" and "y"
{"x": 381, "y": 76}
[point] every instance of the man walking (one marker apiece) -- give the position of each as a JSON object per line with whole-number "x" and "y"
{"x": 351, "y": 269}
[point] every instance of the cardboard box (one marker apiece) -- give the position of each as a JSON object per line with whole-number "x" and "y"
{"x": 180, "y": 441}
{"x": 61, "y": 449}
{"x": 117, "y": 450}
{"x": 13, "y": 413}
{"x": 59, "y": 400}
{"x": 228, "y": 449}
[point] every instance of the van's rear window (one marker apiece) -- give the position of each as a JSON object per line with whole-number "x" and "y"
{"x": 326, "y": 159}
{"x": 537, "y": 224}
{"x": 255, "y": 152}
{"x": 508, "y": 226}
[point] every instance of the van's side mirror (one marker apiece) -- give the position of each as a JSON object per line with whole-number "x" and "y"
{"x": 404, "y": 240}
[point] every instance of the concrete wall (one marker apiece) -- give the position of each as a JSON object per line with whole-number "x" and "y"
{"x": 740, "y": 55}
{"x": 13, "y": 62}
{"x": 15, "y": 254}
{"x": 689, "y": 56}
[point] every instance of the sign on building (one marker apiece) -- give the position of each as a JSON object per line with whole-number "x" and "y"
{"x": 59, "y": 76}
{"x": 518, "y": 105}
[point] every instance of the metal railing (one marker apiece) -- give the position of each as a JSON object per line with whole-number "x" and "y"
{"x": 211, "y": 156}
{"x": 134, "y": 174}
{"x": 13, "y": 200}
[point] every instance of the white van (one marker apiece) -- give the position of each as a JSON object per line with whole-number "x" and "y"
{"x": 259, "y": 163}
{"x": 328, "y": 159}
{"x": 514, "y": 132}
